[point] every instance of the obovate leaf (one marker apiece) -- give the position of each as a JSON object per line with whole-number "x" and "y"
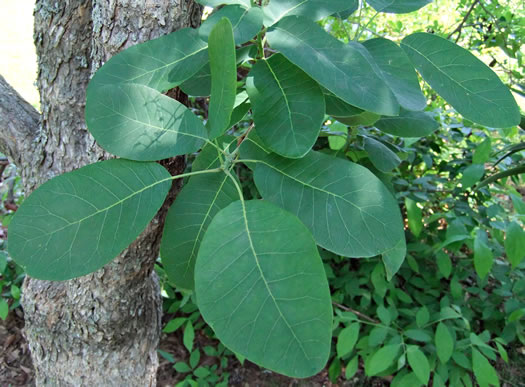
{"x": 261, "y": 286}
{"x": 464, "y": 81}
{"x": 483, "y": 257}
{"x": 414, "y": 217}
{"x": 347, "y": 339}
{"x": 380, "y": 155}
{"x": 189, "y": 217}
{"x": 485, "y": 374}
{"x": 382, "y": 359}
{"x": 398, "y": 6}
{"x": 161, "y": 63}
{"x": 77, "y": 222}
{"x": 419, "y": 364}
{"x": 398, "y": 72}
{"x": 139, "y": 123}
{"x": 408, "y": 124}
{"x": 347, "y": 208}
{"x": 223, "y": 77}
{"x": 515, "y": 243}
{"x": 288, "y": 106}
{"x": 311, "y": 9}
{"x": 343, "y": 69}
{"x": 444, "y": 343}
{"x": 246, "y": 23}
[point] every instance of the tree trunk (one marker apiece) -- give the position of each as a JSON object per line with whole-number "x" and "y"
{"x": 101, "y": 329}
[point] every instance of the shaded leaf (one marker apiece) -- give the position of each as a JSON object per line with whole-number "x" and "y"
{"x": 414, "y": 216}
{"x": 483, "y": 257}
{"x": 343, "y": 69}
{"x": 472, "y": 174}
{"x": 347, "y": 339}
{"x": 261, "y": 286}
{"x": 139, "y": 123}
{"x": 223, "y": 77}
{"x": 288, "y": 106}
{"x": 362, "y": 119}
{"x": 465, "y": 82}
{"x": 408, "y": 124}
{"x": 311, "y": 9}
{"x": 380, "y": 155}
{"x": 246, "y": 22}
{"x": 398, "y": 72}
{"x": 348, "y": 209}
{"x": 394, "y": 257}
{"x": 482, "y": 152}
{"x": 397, "y": 6}
{"x": 339, "y": 108}
{"x": 515, "y": 243}
{"x": 189, "y": 336}
{"x": 215, "y": 3}
{"x": 77, "y": 222}
{"x": 444, "y": 343}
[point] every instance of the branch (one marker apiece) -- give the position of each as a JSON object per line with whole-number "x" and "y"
{"x": 460, "y": 26}
{"x": 19, "y": 123}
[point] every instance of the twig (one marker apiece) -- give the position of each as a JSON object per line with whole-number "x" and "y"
{"x": 347, "y": 309}
{"x": 460, "y": 26}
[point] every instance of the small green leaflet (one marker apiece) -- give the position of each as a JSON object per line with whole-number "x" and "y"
{"x": 444, "y": 263}
{"x": 288, "y": 106}
{"x": 419, "y": 364}
{"x": 408, "y": 124}
{"x": 77, "y": 222}
{"x": 261, "y": 286}
{"x": 348, "y": 209}
{"x": 311, "y": 9}
{"x": 189, "y": 336}
{"x": 483, "y": 257}
{"x": 4, "y": 308}
{"x": 482, "y": 152}
{"x": 246, "y": 23}
{"x": 343, "y": 69}
{"x": 472, "y": 175}
{"x": 161, "y": 63}
{"x": 223, "y": 77}
{"x": 382, "y": 359}
{"x": 380, "y": 155}
{"x": 444, "y": 343}
{"x": 189, "y": 217}
{"x": 485, "y": 374}
{"x": 139, "y": 123}
{"x": 515, "y": 243}
{"x": 347, "y": 339}
{"x": 397, "y": 6}
{"x": 464, "y": 81}
{"x": 398, "y": 72}
{"x": 414, "y": 216}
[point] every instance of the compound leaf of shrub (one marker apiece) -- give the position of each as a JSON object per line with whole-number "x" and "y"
{"x": 246, "y": 23}
{"x": 483, "y": 256}
{"x": 485, "y": 374}
{"x": 77, "y": 222}
{"x": 408, "y": 124}
{"x": 382, "y": 359}
{"x": 343, "y": 69}
{"x": 515, "y": 243}
{"x": 397, "y": 6}
{"x": 444, "y": 343}
{"x": 139, "y": 123}
{"x": 464, "y": 81}
{"x": 261, "y": 286}
{"x": 311, "y": 9}
{"x": 380, "y": 155}
{"x": 398, "y": 72}
{"x": 419, "y": 364}
{"x": 288, "y": 106}
{"x": 223, "y": 77}
{"x": 347, "y": 339}
{"x": 161, "y": 63}
{"x": 347, "y": 208}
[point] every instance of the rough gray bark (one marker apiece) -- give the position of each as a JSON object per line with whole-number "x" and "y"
{"x": 102, "y": 329}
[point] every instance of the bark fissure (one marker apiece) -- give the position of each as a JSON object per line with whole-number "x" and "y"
{"x": 101, "y": 329}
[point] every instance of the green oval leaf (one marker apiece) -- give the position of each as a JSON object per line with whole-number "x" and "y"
{"x": 161, "y": 63}
{"x": 311, "y": 9}
{"x": 382, "y": 359}
{"x": 344, "y": 69}
{"x": 408, "y": 124}
{"x": 223, "y": 77}
{"x": 444, "y": 343}
{"x": 419, "y": 364}
{"x": 77, "y": 222}
{"x": 347, "y": 208}
{"x": 139, "y": 123}
{"x": 261, "y": 286}
{"x": 398, "y": 6}
{"x": 292, "y": 128}
{"x": 380, "y": 155}
{"x": 398, "y": 72}
{"x": 347, "y": 339}
{"x": 483, "y": 256}
{"x": 414, "y": 217}
{"x": 246, "y": 22}
{"x": 198, "y": 85}
{"x": 336, "y": 107}
{"x": 464, "y": 81}
{"x": 515, "y": 243}
{"x": 485, "y": 374}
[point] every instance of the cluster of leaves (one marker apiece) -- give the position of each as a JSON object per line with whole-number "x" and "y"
{"x": 254, "y": 265}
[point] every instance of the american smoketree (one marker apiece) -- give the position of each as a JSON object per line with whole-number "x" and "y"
{"x": 104, "y": 328}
